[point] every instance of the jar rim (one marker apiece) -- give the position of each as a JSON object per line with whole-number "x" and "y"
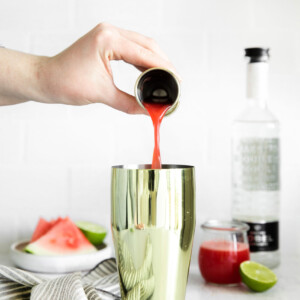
{"x": 225, "y": 225}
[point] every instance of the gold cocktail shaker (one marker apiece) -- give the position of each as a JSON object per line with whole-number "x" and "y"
{"x": 153, "y": 222}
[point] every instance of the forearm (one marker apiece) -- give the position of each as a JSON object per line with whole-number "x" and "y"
{"x": 20, "y": 78}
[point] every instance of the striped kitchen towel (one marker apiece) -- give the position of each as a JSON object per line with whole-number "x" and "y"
{"x": 100, "y": 283}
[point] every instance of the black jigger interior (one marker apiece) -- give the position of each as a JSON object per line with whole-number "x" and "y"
{"x": 158, "y": 86}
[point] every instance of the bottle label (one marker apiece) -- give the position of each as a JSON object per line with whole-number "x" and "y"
{"x": 263, "y": 236}
{"x": 256, "y": 164}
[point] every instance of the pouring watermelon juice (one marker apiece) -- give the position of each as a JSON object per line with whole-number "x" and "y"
{"x": 156, "y": 111}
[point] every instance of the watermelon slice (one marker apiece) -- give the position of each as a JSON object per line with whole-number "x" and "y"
{"x": 63, "y": 238}
{"x": 43, "y": 227}
{"x": 54, "y": 222}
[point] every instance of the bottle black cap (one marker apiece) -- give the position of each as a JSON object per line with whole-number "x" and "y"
{"x": 257, "y": 54}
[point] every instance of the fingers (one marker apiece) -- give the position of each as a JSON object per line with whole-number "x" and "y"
{"x": 131, "y": 47}
{"x": 143, "y": 41}
{"x": 140, "y": 57}
{"x": 126, "y": 103}
{"x": 113, "y": 43}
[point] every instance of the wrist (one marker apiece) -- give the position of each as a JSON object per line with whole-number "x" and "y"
{"x": 20, "y": 79}
{"x": 53, "y": 82}
{"x": 43, "y": 91}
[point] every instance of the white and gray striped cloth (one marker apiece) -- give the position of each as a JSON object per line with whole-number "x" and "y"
{"x": 100, "y": 283}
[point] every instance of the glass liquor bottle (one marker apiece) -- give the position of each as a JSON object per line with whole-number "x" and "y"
{"x": 255, "y": 164}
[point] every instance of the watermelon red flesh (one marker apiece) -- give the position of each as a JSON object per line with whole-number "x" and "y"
{"x": 54, "y": 222}
{"x": 63, "y": 238}
{"x": 43, "y": 227}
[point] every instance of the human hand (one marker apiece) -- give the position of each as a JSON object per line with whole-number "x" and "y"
{"x": 81, "y": 74}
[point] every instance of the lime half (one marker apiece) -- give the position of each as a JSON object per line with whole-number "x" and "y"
{"x": 95, "y": 233}
{"x": 256, "y": 276}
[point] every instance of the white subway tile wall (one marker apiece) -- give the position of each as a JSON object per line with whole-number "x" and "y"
{"x": 56, "y": 160}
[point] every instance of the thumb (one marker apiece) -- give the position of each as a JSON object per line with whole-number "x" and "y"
{"x": 126, "y": 103}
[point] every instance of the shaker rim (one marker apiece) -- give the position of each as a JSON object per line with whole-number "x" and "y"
{"x": 148, "y": 167}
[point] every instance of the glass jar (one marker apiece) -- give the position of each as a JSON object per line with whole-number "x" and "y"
{"x": 223, "y": 248}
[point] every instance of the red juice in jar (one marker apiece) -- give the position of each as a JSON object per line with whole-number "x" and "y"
{"x": 219, "y": 260}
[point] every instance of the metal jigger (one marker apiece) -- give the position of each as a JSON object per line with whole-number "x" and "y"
{"x": 153, "y": 222}
{"x": 158, "y": 85}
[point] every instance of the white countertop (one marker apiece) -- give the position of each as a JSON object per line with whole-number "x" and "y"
{"x": 287, "y": 287}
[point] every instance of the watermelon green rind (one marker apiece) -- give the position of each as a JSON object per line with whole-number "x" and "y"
{"x": 62, "y": 239}
{"x": 28, "y": 250}
{"x": 35, "y": 248}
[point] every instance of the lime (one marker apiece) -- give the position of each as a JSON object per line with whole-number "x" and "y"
{"x": 256, "y": 276}
{"x": 95, "y": 233}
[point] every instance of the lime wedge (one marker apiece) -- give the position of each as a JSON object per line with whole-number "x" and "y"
{"x": 94, "y": 233}
{"x": 256, "y": 276}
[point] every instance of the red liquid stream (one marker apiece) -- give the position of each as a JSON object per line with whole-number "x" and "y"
{"x": 219, "y": 261}
{"x": 156, "y": 112}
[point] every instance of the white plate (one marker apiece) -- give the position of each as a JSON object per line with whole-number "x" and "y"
{"x": 59, "y": 263}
